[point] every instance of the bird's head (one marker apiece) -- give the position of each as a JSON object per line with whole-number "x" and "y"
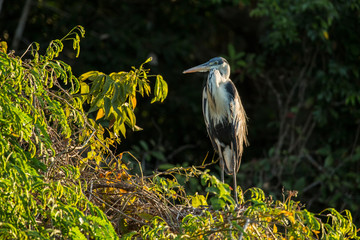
{"x": 217, "y": 63}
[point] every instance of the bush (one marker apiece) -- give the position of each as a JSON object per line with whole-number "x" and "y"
{"x": 44, "y": 130}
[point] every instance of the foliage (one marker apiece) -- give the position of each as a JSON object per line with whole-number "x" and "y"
{"x": 160, "y": 208}
{"x": 295, "y": 64}
{"x": 43, "y": 130}
{"x": 34, "y": 203}
{"x": 113, "y": 97}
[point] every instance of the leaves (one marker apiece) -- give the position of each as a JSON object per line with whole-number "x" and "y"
{"x": 160, "y": 89}
{"x": 211, "y": 216}
{"x": 41, "y": 194}
{"x": 198, "y": 200}
{"x": 113, "y": 96}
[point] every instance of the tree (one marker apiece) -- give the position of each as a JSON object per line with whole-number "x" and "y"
{"x": 314, "y": 88}
{"x": 43, "y": 130}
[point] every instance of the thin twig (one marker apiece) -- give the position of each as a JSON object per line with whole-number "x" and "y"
{"x": 247, "y": 221}
{"x": 117, "y": 210}
{"x": 180, "y": 149}
{"x": 1, "y": 3}
{"x": 21, "y": 25}
{"x": 355, "y": 140}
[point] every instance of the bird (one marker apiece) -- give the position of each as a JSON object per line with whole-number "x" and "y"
{"x": 224, "y": 116}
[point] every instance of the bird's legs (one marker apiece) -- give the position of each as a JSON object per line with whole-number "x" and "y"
{"x": 235, "y": 187}
{"x": 222, "y": 175}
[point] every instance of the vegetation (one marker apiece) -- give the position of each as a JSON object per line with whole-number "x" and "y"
{"x": 61, "y": 176}
{"x": 44, "y": 130}
{"x": 42, "y": 195}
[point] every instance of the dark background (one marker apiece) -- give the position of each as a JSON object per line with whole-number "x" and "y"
{"x": 295, "y": 64}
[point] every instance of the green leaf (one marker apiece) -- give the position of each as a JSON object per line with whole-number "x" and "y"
{"x": 198, "y": 200}
{"x": 108, "y": 83}
{"x": 217, "y": 203}
{"x": 213, "y": 189}
{"x": 107, "y": 106}
{"x": 88, "y": 75}
{"x": 130, "y": 114}
{"x": 160, "y": 89}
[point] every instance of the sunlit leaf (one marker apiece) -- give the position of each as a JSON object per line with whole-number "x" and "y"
{"x": 326, "y": 35}
{"x": 3, "y": 46}
{"x": 100, "y": 114}
{"x": 198, "y": 200}
{"x": 160, "y": 89}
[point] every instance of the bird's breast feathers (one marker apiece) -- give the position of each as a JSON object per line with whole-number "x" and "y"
{"x": 221, "y": 103}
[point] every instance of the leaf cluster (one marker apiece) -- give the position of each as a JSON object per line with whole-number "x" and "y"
{"x": 34, "y": 205}
{"x": 113, "y": 96}
{"x": 44, "y": 130}
{"x": 160, "y": 208}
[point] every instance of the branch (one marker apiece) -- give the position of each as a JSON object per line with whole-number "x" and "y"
{"x": 122, "y": 185}
{"x": 1, "y": 3}
{"x": 22, "y": 22}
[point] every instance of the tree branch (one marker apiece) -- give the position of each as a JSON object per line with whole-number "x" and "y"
{"x": 21, "y": 25}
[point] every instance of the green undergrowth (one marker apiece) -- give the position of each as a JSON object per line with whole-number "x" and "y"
{"x": 159, "y": 208}
{"x": 60, "y": 177}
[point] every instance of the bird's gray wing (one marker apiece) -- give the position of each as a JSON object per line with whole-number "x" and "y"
{"x": 237, "y": 118}
{"x": 207, "y": 119}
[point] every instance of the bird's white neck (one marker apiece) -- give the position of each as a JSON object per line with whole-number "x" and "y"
{"x": 216, "y": 78}
{"x": 217, "y": 95}
{"x": 224, "y": 71}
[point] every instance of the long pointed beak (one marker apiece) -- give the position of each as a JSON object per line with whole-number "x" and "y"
{"x": 200, "y": 68}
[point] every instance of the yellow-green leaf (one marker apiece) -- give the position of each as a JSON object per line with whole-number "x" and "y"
{"x": 100, "y": 114}
{"x": 198, "y": 200}
{"x": 326, "y": 35}
{"x": 87, "y": 75}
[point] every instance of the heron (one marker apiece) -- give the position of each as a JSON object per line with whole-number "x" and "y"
{"x": 224, "y": 116}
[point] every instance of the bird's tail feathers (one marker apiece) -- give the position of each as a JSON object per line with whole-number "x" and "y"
{"x": 229, "y": 161}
